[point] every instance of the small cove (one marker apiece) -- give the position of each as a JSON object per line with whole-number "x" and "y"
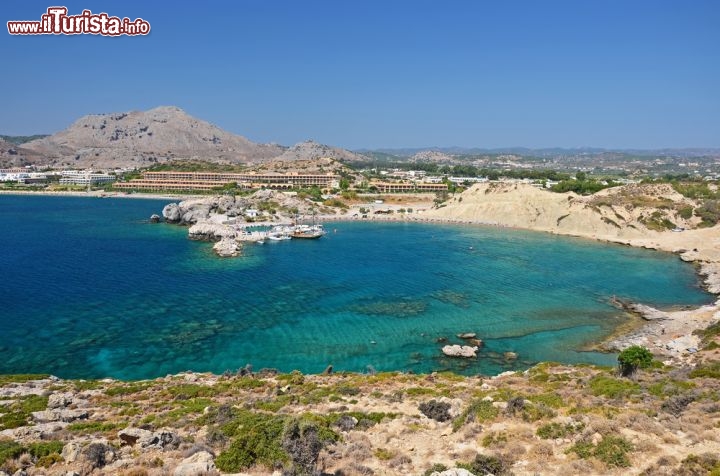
{"x": 92, "y": 290}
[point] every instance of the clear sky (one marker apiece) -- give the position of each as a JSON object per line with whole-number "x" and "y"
{"x": 352, "y": 73}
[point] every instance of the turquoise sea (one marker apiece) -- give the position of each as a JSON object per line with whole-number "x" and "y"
{"x": 90, "y": 289}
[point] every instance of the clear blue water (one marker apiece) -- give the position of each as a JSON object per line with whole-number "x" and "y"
{"x": 91, "y": 289}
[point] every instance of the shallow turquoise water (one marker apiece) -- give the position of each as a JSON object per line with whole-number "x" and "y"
{"x": 90, "y": 289}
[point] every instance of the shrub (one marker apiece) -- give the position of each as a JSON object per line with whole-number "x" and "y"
{"x": 45, "y": 448}
{"x": 709, "y": 212}
{"x": 435, "y": 468}
{"x": 554, "y": 430}
{"x": 486, "y": 464}
{"x": 439, "y": 411}
{"x": 706, "y": 371}
{"x": 633, "y": 358}
{"x": 302, "y": 444}
{"x": 257, "y": 441}
{"x": 611, "y": 450}
{"x": 702, "y": 464}
{"x": 676, "y": 405}
{"x": 612, "y": 387}
{"x": 478, "y": 410}
{"x": 10, "y": 449}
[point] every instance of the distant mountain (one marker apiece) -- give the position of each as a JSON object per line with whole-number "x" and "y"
{"x": 309, "y": 150}
{"x": 17, "y": 140}
{"x": 140, "y": 138}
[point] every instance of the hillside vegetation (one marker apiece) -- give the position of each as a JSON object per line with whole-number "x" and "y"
{"x": 551, "y": 419}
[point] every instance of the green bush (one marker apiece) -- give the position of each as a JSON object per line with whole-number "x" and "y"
{"x": 709, "y": 212}
{"x": 707, "y": 371}
{"x": 633, "y": 358}
{"x": 45, "y": 448}
{"x": 686, "y": 212}
{"x": 612, "y": 387}
{"x": 273, "y": 440}
{"x": 256, "y": 441}
{"x": 486, "y": 464}
{"x": 611, "y": 450}
{"x": 478, "y": 410}
{"x": 10, "y": 449}
{"x": 554, "y": 430}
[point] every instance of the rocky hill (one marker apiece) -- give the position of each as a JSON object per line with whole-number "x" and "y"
{"x": 13, "y": 155}
{"x": 632, "y": 211}
{"x": 141, "y": 138}
{"x": 310, "y": 149}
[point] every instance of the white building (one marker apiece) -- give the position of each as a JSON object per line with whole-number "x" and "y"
{"x": 82, "y": 177}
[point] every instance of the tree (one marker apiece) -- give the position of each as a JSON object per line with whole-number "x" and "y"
{"x": 633, "y": 358}
{"x": 344, "y": 183}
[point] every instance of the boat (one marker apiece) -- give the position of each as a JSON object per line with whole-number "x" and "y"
{"x": 279, "y": 233}
{"x": 311, "y": 232}
{"x": 308, "y": 231}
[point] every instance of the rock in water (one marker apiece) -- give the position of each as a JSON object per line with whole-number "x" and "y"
{"x": 172, "y": 212}
{"x": 227, "y": 248}
{"x": 154, "y": 218}
{"x": 460, "y": 351}
{"x": 467, "y": 335}
{"x": 510, "y": 356}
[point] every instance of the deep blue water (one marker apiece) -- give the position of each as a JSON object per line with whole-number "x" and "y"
{"x": 91, "y": 289}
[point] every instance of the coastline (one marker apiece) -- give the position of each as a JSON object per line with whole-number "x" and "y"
{"x": 100, "y": 194}
{"x": 670, "y": 335}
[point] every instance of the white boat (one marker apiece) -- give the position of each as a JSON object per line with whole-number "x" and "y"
{"x": 279, "y": 233}
{"x": 308, "y": 231}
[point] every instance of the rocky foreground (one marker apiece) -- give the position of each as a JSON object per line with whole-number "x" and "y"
{"x": 551, "y": 419}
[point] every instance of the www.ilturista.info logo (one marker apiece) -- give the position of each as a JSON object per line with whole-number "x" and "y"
{"x": 57, "y": 22}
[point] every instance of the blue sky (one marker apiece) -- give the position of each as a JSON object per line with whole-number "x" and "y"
{"x": 614, "y": 73}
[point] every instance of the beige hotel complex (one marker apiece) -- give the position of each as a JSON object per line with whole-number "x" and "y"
{"x": 180, "y": 181}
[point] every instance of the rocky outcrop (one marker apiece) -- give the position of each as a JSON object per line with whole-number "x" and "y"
{"x": 227, "y": 247}
{"x": 148, "y": 439}
{"x": 198, "y": 464}
{"x": 453, "y": 472}
{"x": 210, "y": 232}
{"x": 464, "y": 351}
{"x": 648, "y": 313}
{"x": 65, "y": 415}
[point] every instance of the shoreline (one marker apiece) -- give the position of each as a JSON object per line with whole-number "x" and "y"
{"x": 99, "y": 194}
{"x": 671, "y": 335}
